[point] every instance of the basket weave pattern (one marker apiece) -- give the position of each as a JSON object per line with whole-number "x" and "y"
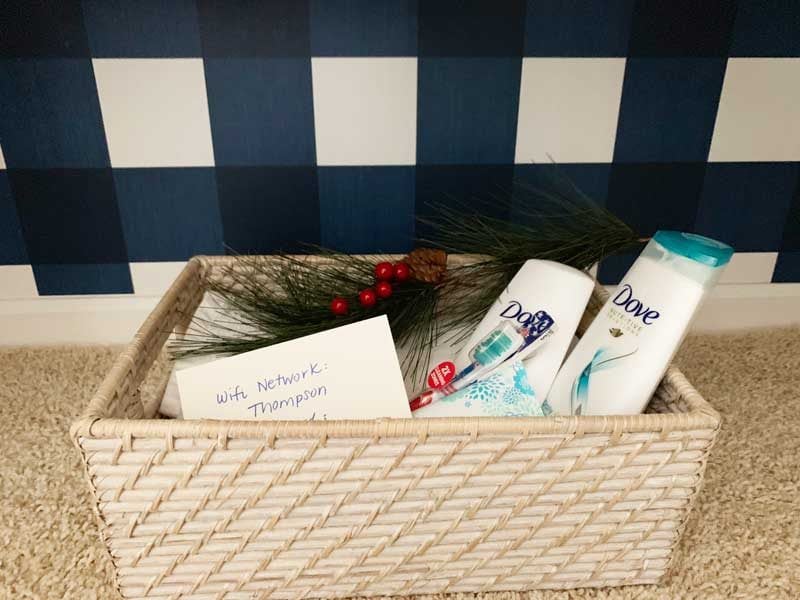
{"x": 232, "y": 510}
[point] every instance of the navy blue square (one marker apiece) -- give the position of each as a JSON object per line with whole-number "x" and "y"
{"x": 364, "y": 27}
{"x": 69, "y": 216}
{"x": 43, "y": 28}
{"x": 254, "y": 28}
{"x": 169, "y": 214}
{"x": 471, "y": 28}
{"x": 476, "y": 189}
{"x": 746, "y": 204}
{"x": 589, "y": 178}
{"x": 12, "y": 244}
{"x": 767, "y": 28}
{"x": 261, "y": 111}
{"x": 787, "y": 267}
{"x": 269, "y": 209}
{"x": 367, "y": 209}
{"x": 682, "y": 28}
{"x": 791, "y": 230}
{"x": 51, "y": 114}
{"x": 656, "y": 196}
{"x": 578, "y": 28}
{"x": 668, "y": 109}
{"x": 107, "y": 278}
{"x": 121, "y": 28}
{"x": 467, "y": 110}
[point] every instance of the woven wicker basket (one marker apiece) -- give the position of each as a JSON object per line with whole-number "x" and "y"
{"x": 233, "y": 510}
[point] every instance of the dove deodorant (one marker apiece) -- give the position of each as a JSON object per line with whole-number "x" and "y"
{"x": 618, "y": 363}
{"x": 541, "y": 292}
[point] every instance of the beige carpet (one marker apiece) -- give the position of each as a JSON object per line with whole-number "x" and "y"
{"x": 742, "y": 541}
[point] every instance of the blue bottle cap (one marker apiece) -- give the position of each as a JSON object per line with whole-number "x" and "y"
{"x": 695, "y": 247}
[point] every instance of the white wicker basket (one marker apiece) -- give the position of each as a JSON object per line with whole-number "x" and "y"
{"x": 230, "y": 510}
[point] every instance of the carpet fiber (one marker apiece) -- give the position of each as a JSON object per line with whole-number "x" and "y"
{"x": 742, "y": 540}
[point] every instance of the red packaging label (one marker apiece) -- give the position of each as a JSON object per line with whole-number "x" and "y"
{"x": 422, "y": 400}
{"x": 441, "y": 375}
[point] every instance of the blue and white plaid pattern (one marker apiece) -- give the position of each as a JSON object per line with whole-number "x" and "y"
{"x": 136, "y": 134}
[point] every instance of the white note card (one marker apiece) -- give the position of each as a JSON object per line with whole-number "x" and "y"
{"x": 350, "y": 372}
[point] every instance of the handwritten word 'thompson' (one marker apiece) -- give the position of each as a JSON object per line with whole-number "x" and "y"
{"x": 260, "y": 408}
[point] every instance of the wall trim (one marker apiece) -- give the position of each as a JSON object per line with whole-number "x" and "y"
{"x": 114, "y": 319}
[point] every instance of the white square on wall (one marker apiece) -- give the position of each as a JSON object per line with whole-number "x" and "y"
{"x": 758, "y": 119}
{"x": 155, "y": 112}
{"x": 365, "y": 110}
{"x": 568, "y": 109}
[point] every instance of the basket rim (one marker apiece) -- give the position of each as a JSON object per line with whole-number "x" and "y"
{"x": 92, "y": 423}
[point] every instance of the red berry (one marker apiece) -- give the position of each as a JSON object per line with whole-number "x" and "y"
{"x": 401, "y": 272}
{"x": 384, "y": 271}
{"x": 367, "y": 298}
{"x": 383, "y": 289}
{"x": 339, "y": 306}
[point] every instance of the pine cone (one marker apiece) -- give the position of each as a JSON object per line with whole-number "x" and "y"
{"x": 427, "y": 264}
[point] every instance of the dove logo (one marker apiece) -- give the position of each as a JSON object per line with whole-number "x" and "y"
{"x": 634, "y": 306}
{"x": 515, "y": 311}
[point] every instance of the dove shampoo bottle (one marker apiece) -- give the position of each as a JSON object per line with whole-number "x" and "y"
{"x": 618, "y": 363}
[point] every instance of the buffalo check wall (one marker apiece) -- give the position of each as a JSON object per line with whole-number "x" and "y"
{"x": 134, "y": 135}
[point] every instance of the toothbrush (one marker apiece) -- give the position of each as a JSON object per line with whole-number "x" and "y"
{"x": 492, "y": 350}
{"x": 500, "y": 344}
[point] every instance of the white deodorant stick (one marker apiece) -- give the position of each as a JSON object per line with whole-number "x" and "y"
{"x": 560, "y": 291}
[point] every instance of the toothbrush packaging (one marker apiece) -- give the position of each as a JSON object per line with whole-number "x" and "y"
{"x": 505, "y": 392}
{"x": 500, "y": 344}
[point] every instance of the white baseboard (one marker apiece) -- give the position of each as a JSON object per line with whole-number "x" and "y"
{"x": 749, "y": 306}
{"x": 114, "y": 319}
{"x": 72, "y": 320}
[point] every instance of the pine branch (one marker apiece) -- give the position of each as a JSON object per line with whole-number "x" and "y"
{"x": 254, "y": 314}
{"x": 557, "y": 222}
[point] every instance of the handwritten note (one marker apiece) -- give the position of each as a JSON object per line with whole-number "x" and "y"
{"x": 350, "y": 372}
